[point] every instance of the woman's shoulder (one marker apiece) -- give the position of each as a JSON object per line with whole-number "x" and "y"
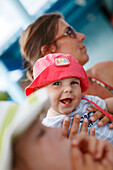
{"x": 102, "y": 71}
{"x": 101, "y": 67}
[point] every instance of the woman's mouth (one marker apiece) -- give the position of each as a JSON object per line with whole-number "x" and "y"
{"x": 84, "y": 48}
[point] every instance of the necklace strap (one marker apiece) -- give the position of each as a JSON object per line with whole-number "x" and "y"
{"x": 101, "y": 83}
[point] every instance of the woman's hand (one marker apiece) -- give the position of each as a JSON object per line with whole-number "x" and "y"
{"x": 75, "y": 127}
{"x": 85, "y": 161}
{"x": 98, "y": 114}
{"x": 99, "y": 149}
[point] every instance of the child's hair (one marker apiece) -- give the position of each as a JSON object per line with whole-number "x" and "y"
{"x": 54, "y": 67}
{"x": 39, "y": 33}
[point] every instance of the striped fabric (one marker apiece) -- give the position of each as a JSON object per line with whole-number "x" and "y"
{"x": 14, "y": 119}
{"x": 101, "y": 132}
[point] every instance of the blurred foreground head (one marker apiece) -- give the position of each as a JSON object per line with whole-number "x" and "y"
{"x": 15, "y": 119}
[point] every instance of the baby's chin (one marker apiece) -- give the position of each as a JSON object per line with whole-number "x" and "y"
{"x": 66, "y": 112}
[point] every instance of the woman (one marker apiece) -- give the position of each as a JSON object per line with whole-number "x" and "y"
{"x": 50, "y": 33}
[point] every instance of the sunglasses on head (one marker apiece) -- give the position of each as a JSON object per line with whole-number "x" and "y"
{"x": 69, "y": 32}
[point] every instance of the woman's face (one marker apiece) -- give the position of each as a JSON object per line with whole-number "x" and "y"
{"x": 73, "y": 46}
{"x": 42, "y": 148}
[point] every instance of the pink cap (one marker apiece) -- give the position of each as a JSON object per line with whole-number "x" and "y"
{"x": 55, "y": 67}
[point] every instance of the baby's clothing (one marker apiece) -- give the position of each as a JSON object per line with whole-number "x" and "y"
{"x": 54, "y": 119}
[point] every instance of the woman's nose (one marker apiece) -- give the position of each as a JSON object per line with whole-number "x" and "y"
{"x": 80, "y": 36}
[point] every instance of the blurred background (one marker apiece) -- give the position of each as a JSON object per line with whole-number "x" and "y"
{"x": 94, "y": 18}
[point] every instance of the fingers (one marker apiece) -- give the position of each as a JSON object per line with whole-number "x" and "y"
{"x": 75, "y": 126}
{"x": 92, "y": 131}
{"x": 77, "y": 159}
{"x": 87, "y": 144}
{"x": 98, "y": 114}
{"x": 99, "y": 149}
{"x": 104, "y": 151}
{"x": 65, "y": 126}
{"x": 80, "y": 138}
{"x": 84, "y": 126}
{"x": 111, "y": 126}
{"x": 86, "y": 162}
{"x": 103, "y": 121}
{"x": 106, "y": 164}
{"x": 92, "y": 145}
{"x": 90, "y": 163}
{"x": 92, "y": 109}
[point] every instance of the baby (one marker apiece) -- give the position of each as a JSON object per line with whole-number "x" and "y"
{"x": 66, "y": 80}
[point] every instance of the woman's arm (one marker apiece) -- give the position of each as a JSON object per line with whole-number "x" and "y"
{"x": 109, "y": 104}
{"x": 105, "y": 75}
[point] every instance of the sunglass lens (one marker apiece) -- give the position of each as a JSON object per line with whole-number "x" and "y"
{"x": 71, "y": 32}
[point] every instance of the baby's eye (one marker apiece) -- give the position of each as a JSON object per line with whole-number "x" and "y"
{"x": 74, "y": 82}
{"x": 57, "y": 83}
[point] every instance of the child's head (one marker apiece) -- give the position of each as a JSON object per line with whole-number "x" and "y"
{"x": 65, "y": 95}
{"x": 54, "y": 67}
{"x": 65, "y": 79}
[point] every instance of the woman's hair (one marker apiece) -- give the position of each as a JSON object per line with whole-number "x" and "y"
{"x": 39, "y": 33}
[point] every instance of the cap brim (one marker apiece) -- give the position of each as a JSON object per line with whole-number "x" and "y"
{"x": 53, "y": 73}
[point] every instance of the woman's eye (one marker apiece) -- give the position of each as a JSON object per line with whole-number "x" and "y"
{"x": 57, "y": 83}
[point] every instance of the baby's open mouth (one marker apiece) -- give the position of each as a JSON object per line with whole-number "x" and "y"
{"x": 66, "y": 101}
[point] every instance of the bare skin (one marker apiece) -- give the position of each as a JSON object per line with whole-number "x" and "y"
{"x": 104, "y": 72}
{"x": 75, "y": 127}
{"x": 42, "y": 148}
{"x": 86, "y": 162}
{"x": 62, "y": 89}
{"x": 99, "y": 114}
{"x": 38, "y": 141}
{"x": 31, "y": 150}
{"x": 99, "y": 149}
{"x": 78, "y": 50}
{"x": 68, "y": 45}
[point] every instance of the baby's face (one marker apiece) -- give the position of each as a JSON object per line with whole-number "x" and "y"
{"x": 65, "y": 95}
